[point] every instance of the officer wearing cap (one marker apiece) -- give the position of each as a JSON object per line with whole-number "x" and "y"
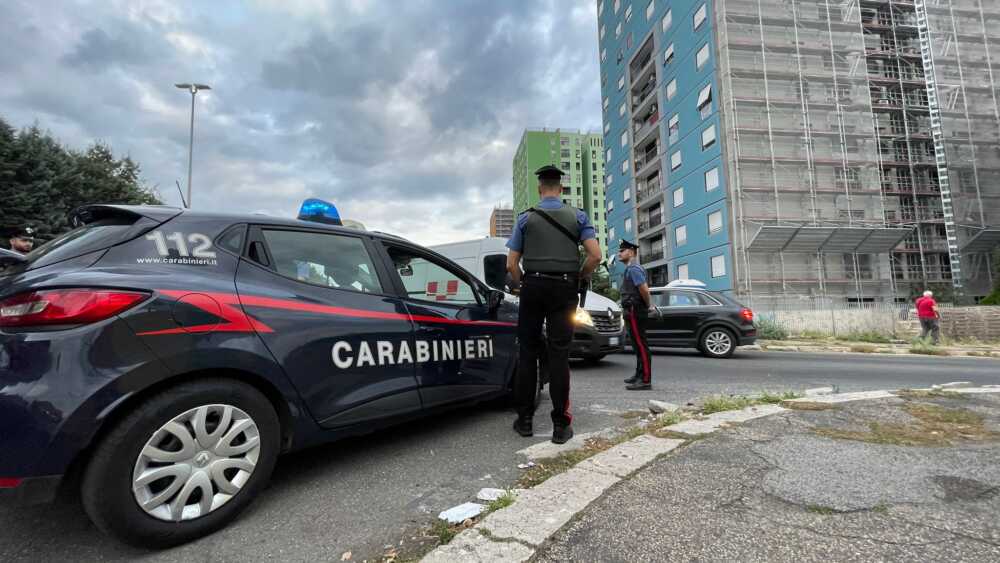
{"x": 547, "y": 239}
{"x": 638, "y": 305}
{"x": 22, "y": 240}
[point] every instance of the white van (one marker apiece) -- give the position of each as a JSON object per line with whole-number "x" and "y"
{"x": 599, "y": 326}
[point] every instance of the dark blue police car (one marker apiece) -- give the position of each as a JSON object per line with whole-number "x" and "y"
{"x": 160, "y": 359}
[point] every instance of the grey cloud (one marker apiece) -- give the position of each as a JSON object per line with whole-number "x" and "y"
{"x": 97, "y": 50}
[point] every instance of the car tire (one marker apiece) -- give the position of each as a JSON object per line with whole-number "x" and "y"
{"x": 594, "y": 360}
{"x": 717, "y": 342}
{"x": 243, "y": 434}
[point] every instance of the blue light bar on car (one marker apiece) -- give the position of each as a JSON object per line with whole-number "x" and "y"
{"x": 319, "y": 211}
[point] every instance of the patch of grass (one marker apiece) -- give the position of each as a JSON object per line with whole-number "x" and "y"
{"x": 632, "y": 415}
{"x": 935, "y": 426}
{"x": 809, "y": 406}
{"x": 865, "y": 336}
{"x": 881, "y": 508}
{"x": 549, "y": 466}
{"x": 863, "y": 348}
{"x": 923, "y": 346}
{"x": 769, "y": 329}
{"x": 812, "y": 335}
{"x": 820, "y": 509}
{"x": 444, "y": 532}
{"x": 720, "y": 403}
{"x": 927, "y": 394}
{"x": 978, "y": 354}
{"x": 503, "y": 501}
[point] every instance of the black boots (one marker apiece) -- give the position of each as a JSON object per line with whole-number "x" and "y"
{"x": 561, "y": 434}
{"x": 638, "y": 385}
{"x": 632, "y": 379}
{"x": 522, "y": 425}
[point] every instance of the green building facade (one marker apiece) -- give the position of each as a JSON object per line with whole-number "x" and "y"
{"x": 580, "y": 156}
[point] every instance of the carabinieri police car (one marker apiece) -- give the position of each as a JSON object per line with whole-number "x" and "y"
{"x": 158, "y": 360}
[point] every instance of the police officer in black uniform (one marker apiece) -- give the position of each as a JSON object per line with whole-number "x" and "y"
{"x": 638, "y": 305}
{"x": 22, "y": 239}
{"x": 547, "y": 238}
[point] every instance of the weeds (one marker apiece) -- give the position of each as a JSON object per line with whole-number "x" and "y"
{"x": 503, "y": 501}
{"x": 921, "y": 346}
{"x": 769, "y": 329}
{"x": 863, "y": 348}
{"x": 812, "y": 335}
{"x": 926, "y": 394}
{"x": 820, "y": 509}
{"x": 808, "y": 406}
{"x": 547, "y": 467}
{"x": 865, "y": 336}
{"x": 720, "y": 403}
{"x": 934, "y": 426}
{"x": 444, "y": 532}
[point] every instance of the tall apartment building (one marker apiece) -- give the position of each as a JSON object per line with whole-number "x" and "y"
{"x": 805, "y": 149}
{"x": 579, "y": 155}
{"x": 501, "y": 222}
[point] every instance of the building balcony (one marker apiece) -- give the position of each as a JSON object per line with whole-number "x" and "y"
{"x": 653, "y": 255}
{"x": 650, "y": 222}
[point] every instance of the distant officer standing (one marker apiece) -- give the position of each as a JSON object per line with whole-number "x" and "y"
{"x": 637, "y": 304}
{"x": 22, "y": 240}
{"x": 547, "y": 237}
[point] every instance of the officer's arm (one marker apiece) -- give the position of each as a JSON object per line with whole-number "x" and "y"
{"x": 593, "y": 257}
{"x": 644, "y": 291}
{"x": 514, "y": 267}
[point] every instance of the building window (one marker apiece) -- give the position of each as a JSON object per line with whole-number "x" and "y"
{"x": 564, "y": 141}
{"x": 668, "y": 19}
{"x": 714, "y": 222}
{"x": 678, "y": 197}
{"x": 600, "y": 8}
{"x": 604, "y": 54}
{"x": 607, "y": 155}
{"x": 628, "y": 13}
{"x": 564, "y": 153}
{"x": 618, "y": 5}
{"x": 607, "y": 127}
{"x": 705, "y": 101}
{"x": 699, "y": 16}
{"x": 668, "y": 55}
{"x": 718, "y": 266}
{"x": 675, "y": 160}
{"x": 702, "y": 57}
{"x": 673, "y": 129}
{"x": 682, "y": 271}
{"x": 606, "y": 102}
{"x": 626, "y": 194}
{"x": 628, "y": 225}
{"x": 621, "y": 83}
{"x": 680, "y": 235}
{"x": 708, "y": 137}
{"x": 609, "y": 179}
{"x": 650, "y": 9}
{"x": 624, "y": 140}
{"x": 628, "y": 40}
{"x": 711, "y": 179}
{"x": 604, "y": 80}
{"x": 672, "y": 89}
{"x": 565, "y": 168}
{"x": 611, "y": 233}
{"x": 618, "y": 30}
{"x": 611, "y": 204}
{"x": 621, "y": 110}
{"x": 625, "y": 166}
{"x": 601, "y": 32}
{"x": 620, "y": 56}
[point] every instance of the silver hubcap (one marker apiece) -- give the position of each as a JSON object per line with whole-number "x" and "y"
{"x": 718, "y": 343}
{"x": 196, "y": 463}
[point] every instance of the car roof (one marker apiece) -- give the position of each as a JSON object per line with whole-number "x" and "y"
{"x": 164, "y": 212}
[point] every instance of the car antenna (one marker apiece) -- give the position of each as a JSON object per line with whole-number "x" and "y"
{"x": 181, "y": 192}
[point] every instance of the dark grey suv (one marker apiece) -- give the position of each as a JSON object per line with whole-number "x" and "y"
{"x": 691, "y": 317}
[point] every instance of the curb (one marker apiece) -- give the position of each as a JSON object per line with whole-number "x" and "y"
{"x": 875, "y": 349}
{"x": 515, "y": 533}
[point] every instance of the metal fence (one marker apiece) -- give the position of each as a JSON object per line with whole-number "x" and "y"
{"x": 838, "y": 319}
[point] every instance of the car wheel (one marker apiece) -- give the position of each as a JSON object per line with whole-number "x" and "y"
{"x": 594, "y": 360}
{"x": 182, "y": 464}
{"x": 717, "y": 342}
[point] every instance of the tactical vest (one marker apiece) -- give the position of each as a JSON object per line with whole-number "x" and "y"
{"x": 630, "y": 292}
{"x": 546, "y": 248}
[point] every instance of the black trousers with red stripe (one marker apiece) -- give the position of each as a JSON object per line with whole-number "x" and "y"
{"x": 551, "y": 303}
{"x": 636, "y": 319}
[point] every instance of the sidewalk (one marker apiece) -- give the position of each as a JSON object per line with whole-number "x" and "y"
{"x": 900, "y": 479}
{"x": 831, "y": 345}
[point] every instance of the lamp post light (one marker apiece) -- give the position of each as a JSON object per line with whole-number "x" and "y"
{"x": 193, "y": 88}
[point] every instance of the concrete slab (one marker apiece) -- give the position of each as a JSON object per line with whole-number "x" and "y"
{"x": 983, "y": 389}
{"x": 626, "y": 458}
{"x": 660, "y": 407}
{"x": 473, "y": 546}
{"x": 817, "y": 391}
{"x": 845, "y": 397}
{"x": 541, "y": 511}
{"x": 715, "y": 421}
{"x": 546, "y": 449}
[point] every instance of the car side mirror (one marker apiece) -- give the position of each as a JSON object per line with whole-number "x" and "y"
{"x": 495, "y": 299}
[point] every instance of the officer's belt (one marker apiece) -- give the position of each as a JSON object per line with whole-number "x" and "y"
{"x": 553, "y": 276}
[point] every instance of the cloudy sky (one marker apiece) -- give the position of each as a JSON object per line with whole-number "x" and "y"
{"x": 404, "y": 113}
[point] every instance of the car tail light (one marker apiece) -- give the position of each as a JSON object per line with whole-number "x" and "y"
{"x": 65, "y": 306}
{"x": 747, "y": 315}
{"x": 9, "y": 482}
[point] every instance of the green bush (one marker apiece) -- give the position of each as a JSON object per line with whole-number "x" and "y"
{"x": 769, "y": 329}
{"x": 865, "y": 336}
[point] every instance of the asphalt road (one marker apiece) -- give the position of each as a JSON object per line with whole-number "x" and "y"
{"x": 363, "y": 494}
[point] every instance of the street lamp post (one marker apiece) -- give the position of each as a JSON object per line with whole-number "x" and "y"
{"x": 193, "y": 88}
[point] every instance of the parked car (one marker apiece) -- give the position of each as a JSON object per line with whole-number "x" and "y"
{"x": 158, "y": 360}
{"x": 692, "y": 317}
{"x": 598, "y": 331}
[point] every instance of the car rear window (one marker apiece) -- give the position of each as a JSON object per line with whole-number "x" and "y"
{"x": 98, "y": 235}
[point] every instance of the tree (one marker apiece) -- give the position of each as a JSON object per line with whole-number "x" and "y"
{"x": 41, "y": 182}
{"x": 600, "y": 283}
{"x": 994, "y": 297}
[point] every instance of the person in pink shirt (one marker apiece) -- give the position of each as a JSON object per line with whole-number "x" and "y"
{"x": 927, "y": 312}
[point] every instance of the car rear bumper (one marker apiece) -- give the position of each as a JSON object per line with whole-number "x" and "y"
{"x": 589, "y": 343}
{"x": 28, "y": 491}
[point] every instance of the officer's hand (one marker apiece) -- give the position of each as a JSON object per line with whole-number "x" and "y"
{"x": 654, "y": 312}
